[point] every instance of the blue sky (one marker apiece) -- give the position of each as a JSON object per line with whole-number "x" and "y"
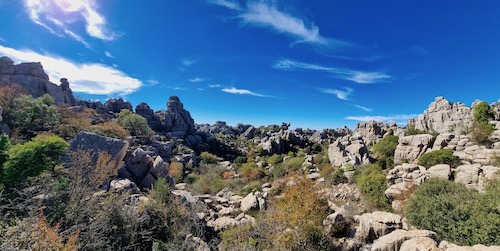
{"x": 313, "y": 63}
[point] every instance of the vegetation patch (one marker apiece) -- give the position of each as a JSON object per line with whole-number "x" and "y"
{"x": 457, "y": 214}
{"x": 443, "y": 156}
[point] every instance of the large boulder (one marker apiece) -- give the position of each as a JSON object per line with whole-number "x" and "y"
{"x": 420, "y": 244}
{"x": 442, "y": 171}
{"x": 468, "y": 175}
{"x": 145, "y": 170}
{"x": 94, "y": 145}
{"x": 35, "y": 81}
{"x": 443, "y": 116}
{"x": 374, "y": 225}
{"x": 394, "y": 240}
{"x": 410, "y": 148}
{"x": 348, "y": 150}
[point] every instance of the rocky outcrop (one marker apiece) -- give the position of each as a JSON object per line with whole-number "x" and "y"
{"x": 403, "y": 180}
{"x": 144, "y": 110}
{"x": 176, "y": 120}
{"x": 410, "y": 148}
{"x": 443, "y": 116}
{"x": 94, "y": 145}
{"x": 478, "y": 154}
{"x": 475, "y": 176}
{"x": 115, "y": 105}
{"x": 35, "y": 81}
{"x": 348, "y": 150}
{"x": 1, "y": 110}
{"x": 141, "y": 168}
{"x": 373, "y": 131}
{"x": 420, "y": 243}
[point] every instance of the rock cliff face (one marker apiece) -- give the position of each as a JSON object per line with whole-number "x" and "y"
{"x": 443, "y": 116}
{"x": 33, "y": 78}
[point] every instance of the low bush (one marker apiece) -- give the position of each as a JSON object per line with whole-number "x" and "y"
{"x": 457, "y": 214}
{"x": 274, "y": 159}
{"x": 384, "y": 150}
{"x": 443, "y": 156}
{"x": 372, "y": 183}
{"x": 32, "y": 115}
{"x": 333, "y": 175}
{"x": 208, "y": 158}
{"x": 111, "y": 129}
{"x": 293, "y": 164}
{"x": 481, "y": 128}
{"x": 4, "y": 147}
{"x": 250, "y": 171}
{"x": 32, "y": 158}
{"x": 137, "y": 125}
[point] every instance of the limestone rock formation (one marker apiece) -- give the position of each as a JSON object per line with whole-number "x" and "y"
{"x": 141, "y": 168}
{"x": 410, "y": 148}
{"x": 117, "y": 104}
{"x": 95, "y": 144}
{"x": 394, "y": 240}
{"x": 375, "y": 225}
{"x": 176, "y": 120}
{"x": 348, "y": 150}
{"x": 443, "y": 116}
{"x": 33, "y": 78}
{"x": 420, "y": 243}
{"x": 373, "y": 131}
{"x": 144, "y": 110}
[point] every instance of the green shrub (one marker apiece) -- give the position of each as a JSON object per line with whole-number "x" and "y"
{"x": 33, "y": 115}
{"x": 481, "y": 128}
{"x": 457, "y": 214}
{"x": 443, "y": 156}
{"x": 137, "y": 125}
{"x": 208, "y": 158}
{"x": 4, "y": 147}
{"x": 482, "y": 113}
{"x": 293, "y": 164}
{"x": 333, "y": 175}
{"x": 372, "y": 183}
{"x": 160, "y": 191}
{"x": 274, "y": 159}
{"x": 480, "y": 133}
{"x": 384, "y": 150}
{"x": 32, "y": 158}
{"x": 240, "y": 160}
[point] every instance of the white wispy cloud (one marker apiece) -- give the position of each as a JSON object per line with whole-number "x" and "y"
{"x": 57, "y": 16}
{"x": 266, "y": 14}
{"x": 92, "y": 78}
{"x": 230, "y": 4}
{"x": 2, "y": 39}
{"x": 152, "y": 82}
{"x": 234, "y": 90}
{"x": 359, "y": 77}
{"x": 197, "y": 79}
{"x": 364, "y": 108}
{"x": 398, "y": 118}
{"x": 187, "y": 62}
{"x": 341, "y": 94}
{"x": 108, "y": 54}
{"x": 214, "y": 86}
